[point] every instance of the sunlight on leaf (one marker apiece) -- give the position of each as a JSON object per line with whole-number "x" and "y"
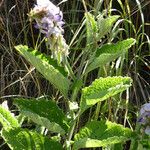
{"x": 23, "y": 139}
{"x": 108, "y": 53}
{"x": 7, "y": 119}
{"x": 43, "y": 112}
{"x": 47, "y": 67}
{"x": 103, "y": 88}
{"x": 101, "y": 133}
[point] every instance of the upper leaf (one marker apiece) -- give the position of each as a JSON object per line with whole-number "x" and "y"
{"x": 22, "y": 139}
{"x": 103, "y": 88}
{"x": 43, "y": 112}
{"x": 47, "y": 67}
{"x": 101, "y": 133}
{"x": 108, "y": 53}
{"x": 105, "y": 24}
{"x": 7, "y": 119}
{"x": 97, "y": 28}
{"x": 91, "y": 28}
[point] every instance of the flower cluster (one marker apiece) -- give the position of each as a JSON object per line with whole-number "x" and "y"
{"x": 49, "y": 19}
{"x": 144, "y": 118}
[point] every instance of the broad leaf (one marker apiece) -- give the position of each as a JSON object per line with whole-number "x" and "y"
{"x": 101, "y": 133}
{"x": 22, "y": 139}
{"x": 43, "y": 112}
{"x": 108, "y": 53}
{"x": 101, "y": 89}
{"x": 47, "y": 67}
{"x": 105, "y": 24}
{"x": 7, "y": 119}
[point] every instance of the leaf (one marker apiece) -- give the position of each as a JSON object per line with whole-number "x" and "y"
{"x": 105, "y": 24}
{"x": 7, "y": 119}
{"x": 43, "y": 112}
{"x": 96, "y": 29}
{"x": 118, "y": 146}
{"x": 101, "y": 89}
{"x": 108, "y": 53}
{"x": 101, "y": 133}
{"x": 47, "y": 67}
{"x": 91, "y": 28}
{"x": 22, "y": 139}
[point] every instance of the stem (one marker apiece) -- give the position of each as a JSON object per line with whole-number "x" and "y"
{"x": 71, "y": 131}
{"x": 110, "y": 113}
{"x": 97, "y": 112}
{"x": 69, "y": 69}
{"x": 126, "y": 109}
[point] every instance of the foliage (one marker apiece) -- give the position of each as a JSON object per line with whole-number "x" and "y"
{"x": 102, "y": 89}
{"x": 101, "y": 133}
{"x": 46, "y": 66}
{"x": 49, "y": 116}
{"x": 108, "y": 53}
{"x": 7, "y": 119}
{"x": 28, "y": 140}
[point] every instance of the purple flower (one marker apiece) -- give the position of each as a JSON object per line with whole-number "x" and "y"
{"x": 144, "y": 113}
{"x": 48, "y": 18}
{"x": 145, "y": 108}
{"x": 49, "y": 6}
{"x": 144, "y": 117}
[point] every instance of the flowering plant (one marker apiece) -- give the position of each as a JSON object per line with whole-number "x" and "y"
{"x": 49, "y": 19}
{"x": 58, "y": 128}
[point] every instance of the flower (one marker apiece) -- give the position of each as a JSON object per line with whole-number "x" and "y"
{"x": 144, "y": 117}
{"x": 144, "y": 113}
{"x": 48, "y": 18}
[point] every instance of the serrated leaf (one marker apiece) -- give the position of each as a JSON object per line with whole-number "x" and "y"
{"x": 101, "y": 133}
{"x": 7, "y": 119}
{"x": 109, "y": 52}
{"x": 47, "y": 67}
{"x": 22, "y": 139}
{"x": 43, "y": 112}
{"x": 103, "y": 88}
{"x": 105, "y": 24}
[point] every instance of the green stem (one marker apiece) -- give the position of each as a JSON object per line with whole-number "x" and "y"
{"x": 97, "y": 112}
{"x": 69, "y": 69}
{"x": 71, "y": 131}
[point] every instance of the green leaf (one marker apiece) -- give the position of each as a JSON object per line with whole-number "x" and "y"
{"x": 43, "y": 112}
{"x": 96, "y": 29}
{"x": 118, "y": 146}
{"x": 91, "y": 28}
{"x": 105, "y": 24}
{"x": 7, "y": 119}
{"x": 101, "y": 133}
{"x": 47, "y": 67}
{"x": 108, "y": 53}
{"x": 22, "y": 139}
{"x": 101, "y": 89}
